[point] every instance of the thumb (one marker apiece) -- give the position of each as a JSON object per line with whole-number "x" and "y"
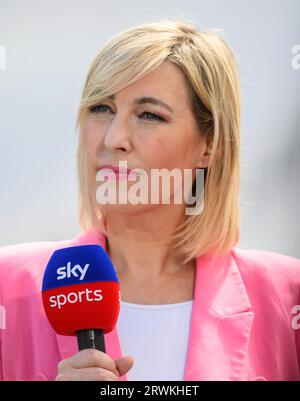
{"x": 124, "y": 364}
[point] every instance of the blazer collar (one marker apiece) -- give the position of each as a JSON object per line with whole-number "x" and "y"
{"x": 220, "y": 324}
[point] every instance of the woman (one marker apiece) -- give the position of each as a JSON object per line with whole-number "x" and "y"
{"x": 193, "y": 306}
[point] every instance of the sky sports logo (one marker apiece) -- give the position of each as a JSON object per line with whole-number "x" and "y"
{"x": 60, "y": 300}
{"x": 69, "y": 271}
{"x": 87, "y": 295}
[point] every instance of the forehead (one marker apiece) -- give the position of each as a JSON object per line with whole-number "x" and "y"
{"x": 166, "y": 82}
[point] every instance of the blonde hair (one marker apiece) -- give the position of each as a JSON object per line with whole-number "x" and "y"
{"x": 209, "y": 67}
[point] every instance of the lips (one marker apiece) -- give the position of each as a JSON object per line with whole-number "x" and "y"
{"x": 116, "y": 170}
{"x": 117, "y": 173}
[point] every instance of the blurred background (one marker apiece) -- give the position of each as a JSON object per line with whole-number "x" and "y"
{"x": 45, "y": 52}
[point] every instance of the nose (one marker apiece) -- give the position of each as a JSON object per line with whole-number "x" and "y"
{"x": 117, "y": 136}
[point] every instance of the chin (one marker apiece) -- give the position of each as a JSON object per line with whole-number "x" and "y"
{"x": 127, "y": 209}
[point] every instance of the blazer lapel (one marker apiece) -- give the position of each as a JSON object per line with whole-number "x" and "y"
{"x": 221, "y": 322}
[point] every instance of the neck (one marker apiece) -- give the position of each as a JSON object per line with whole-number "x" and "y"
{"x": 140, "y": 245}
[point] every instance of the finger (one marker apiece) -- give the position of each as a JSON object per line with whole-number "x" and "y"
{"x": 88, "y": 358}
{"x": 124, "y": 364}
{"x": 86, "y": 374}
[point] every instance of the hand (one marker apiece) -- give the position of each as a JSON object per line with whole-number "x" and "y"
{"x": 93, "y": 365}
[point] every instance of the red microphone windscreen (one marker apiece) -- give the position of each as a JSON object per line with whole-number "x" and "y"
{"x": 81, "y": 290}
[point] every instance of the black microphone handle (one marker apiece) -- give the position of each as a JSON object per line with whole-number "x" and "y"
{"x": 92, "y": 338}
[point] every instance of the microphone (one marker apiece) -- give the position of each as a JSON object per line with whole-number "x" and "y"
{"x": 81, "y": 294}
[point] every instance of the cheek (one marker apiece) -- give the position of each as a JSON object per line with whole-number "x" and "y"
{"x": 160, "y": 152}
{"x": 91, "y": 136}
{"x": 175, "y": 146}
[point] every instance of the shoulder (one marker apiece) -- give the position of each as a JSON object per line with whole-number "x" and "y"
{"x": 26, "y": 260}
{"x": 268, "y": 272}
{"x": 260, "y": 262}
{"x": 31, "y": 258}
{"x": 19, "y": 252}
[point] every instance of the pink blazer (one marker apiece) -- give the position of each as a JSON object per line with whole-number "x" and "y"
{"x": 240, "y": 329}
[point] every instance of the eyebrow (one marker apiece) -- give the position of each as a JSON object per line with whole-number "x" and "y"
{"x": 148, "y": 99}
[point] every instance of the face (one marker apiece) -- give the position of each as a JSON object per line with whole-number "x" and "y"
{"x": 148, "y": 124}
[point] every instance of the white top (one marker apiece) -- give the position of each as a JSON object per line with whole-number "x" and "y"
{"x": 157, "y": 337}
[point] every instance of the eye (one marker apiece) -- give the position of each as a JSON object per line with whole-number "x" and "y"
{"x": 100, "y": 108}
{"x": 151, "y": 116}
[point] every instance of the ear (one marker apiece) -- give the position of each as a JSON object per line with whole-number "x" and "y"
{"x": 204, "y": 161}
{"x": 205, "y": 157}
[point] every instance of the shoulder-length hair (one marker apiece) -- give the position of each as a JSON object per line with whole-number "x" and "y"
{"x": 209, "y": 67}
